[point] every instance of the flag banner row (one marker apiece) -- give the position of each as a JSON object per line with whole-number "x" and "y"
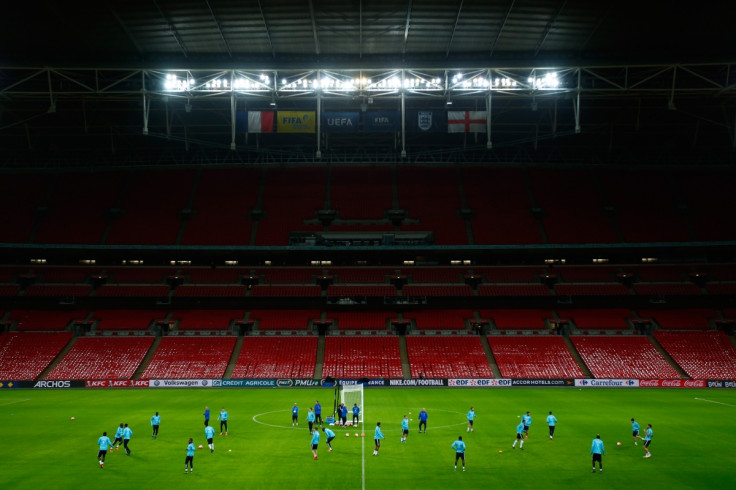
{"x": 367, "y": 122}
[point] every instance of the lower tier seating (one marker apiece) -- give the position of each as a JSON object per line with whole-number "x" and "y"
{"x": 186, "y": 357}
{"x": 357, "y": 357}
{"x": 623, "y": 356}
{"x": 702, "y": 355}
{"x": 276, "y": 357}
{"x": 24, "y": 355}
{"x": 534, "y": 357}
{"x": 447, "y": 357}
{"x": 102, "y": 358}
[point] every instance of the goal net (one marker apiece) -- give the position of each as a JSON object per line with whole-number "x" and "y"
{"x": 350, "y": 396}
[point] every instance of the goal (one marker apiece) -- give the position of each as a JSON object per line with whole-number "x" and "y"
{"x": 350, "y": 395}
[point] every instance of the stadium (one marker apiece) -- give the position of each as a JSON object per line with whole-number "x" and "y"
{"x": 507, "y": 207}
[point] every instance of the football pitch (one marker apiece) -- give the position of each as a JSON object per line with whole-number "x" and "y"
{"x": 694, "y": 443}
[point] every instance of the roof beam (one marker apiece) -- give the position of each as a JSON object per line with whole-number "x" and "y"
{"x": 500, "y": 29}
{"x": 219, "y": 29}
{"x": 265, "y": 26}
{"x": 406, "y": 27}
{"x": 314, "y": 27}
{"x": 360, "y": 29}
{"x": 454, "y": 28}
{"x": 549, "y": 27}
{"x": 172, "y": 30}
{"x": 125, "y": 29}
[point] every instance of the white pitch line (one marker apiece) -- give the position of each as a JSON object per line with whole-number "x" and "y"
{"x": 363, "y": 461}
{"x": 713, "y": 401}
{"x": 16, "y": 401}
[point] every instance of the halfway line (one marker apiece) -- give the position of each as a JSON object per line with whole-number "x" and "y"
{"x": 16, "y": 401}
{"x": 713, "y": 401}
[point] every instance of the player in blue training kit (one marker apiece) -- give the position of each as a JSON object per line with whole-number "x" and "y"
{"x": 104, "y": 443}
{"x": 551, "y": 422}
{"x": 459, "y": 447}
{"x": 318, "y": 413}
{"x": 519, "y": 436}
{"x": 423, "y": 416}
{"x": 294, "y": 415}
{"x": 527, "y": 419}
{"x": 598, "y": 451}
{"x": 377, "y": 436}
{"x": 223, "y": 420}
{"x": 209, "y": 433}
{"x": 404, "y": 428}
{"x": 206, "y": 416}
{"x": 471, "y": 418}
{"x": 315, "y": 443}
{"x": 330, "y": 436}
{"x": 648, "y": 440}
{"x": 635, "y": 431}
{"x": 127, "y": 434}
{"x": 356, "y": 413}
{"x": 155, "y": 422}
{"x": 189, "y": 461}
{"x": 118, "y": 438}
{"x": 343, "y": 414}
{"x": 310, "y": 420}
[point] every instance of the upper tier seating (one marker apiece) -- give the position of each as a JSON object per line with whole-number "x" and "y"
{"x": 357, "y": 357}
{"x": 559, "y": 193}
{"x": 360, "y": 193}
{"x": 702, "y": 355}
{"x": 207, "y": 319}
{"x": 500, "y": 199}
{"x": 283, "y": 319}
{"x": 361, "y": 320}
{"x": 517, "y": 319}
{"x": 692, "y": 318}
{"x": 440, "y": 319}
{"x": 221, "y": 205}
{"x": 447, "y": 357}
{"x": 44, "y": 319}
{"x": 623, "y": 356}
{"x": 534, "y": 357}
{"x": 190, "y": 357}
{"x": 20, "y": 199}
{"x": 437, "y": 290}
{"x": 24, "y": 355}
{"x": 432, "y": 196}
{"x": 126, "y": 319}
{"x": 145, "y": 224}
{"x": 102, "y": 358}
{"x": 598, "y": 318}
{"x": 276, "y": 357}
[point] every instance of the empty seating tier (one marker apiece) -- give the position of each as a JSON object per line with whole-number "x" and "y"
{"x": 534, "y": 357}
{"x": 24, "y": 355}
{"x": 44, "y": 319}
{"x": 190, "y": 357}
{"x": 102, "y": 358}
{"x": 357, "y": 357}
{"x": 623, "y": 356}
{"x": 276, "y": 357}
{"x": 447, "y": 357}
{"x": 702, "y": 355}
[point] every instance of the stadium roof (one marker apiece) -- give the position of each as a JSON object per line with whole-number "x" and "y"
{"x": 439, "y": 32}
{"x": 652, "y": 74}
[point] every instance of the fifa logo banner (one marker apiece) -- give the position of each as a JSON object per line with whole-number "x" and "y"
{"x": 381, "y": 121}
{"x": 339, "y": 122}
{"x": 296, "y": 122}
{"x": 466, "y": 121}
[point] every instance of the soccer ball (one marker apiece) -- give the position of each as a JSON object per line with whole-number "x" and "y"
{"x": 618, "y": 443}
{"x": 201, "y": 446}
{"x": 72, "y": 418}
{"x": 347, "y": 434}
{"x": 356, "y": 434}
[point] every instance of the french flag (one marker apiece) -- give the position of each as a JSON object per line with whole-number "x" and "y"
{"x": 260, "y": 121}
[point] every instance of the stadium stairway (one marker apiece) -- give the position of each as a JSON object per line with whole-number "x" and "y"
{"x": 320, "y": 361}
{"x": 404, "y": 352}
{"x": 489, "y": 355}
{"x": 147, "y": 358}
{"x": 58, "y": 359}
{"x": 667, "y": 357}
{"x": 234, "y": 357}
{"x": 577, "y": 357}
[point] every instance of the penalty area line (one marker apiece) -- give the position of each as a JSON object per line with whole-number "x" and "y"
{"x": 713, "y": 401}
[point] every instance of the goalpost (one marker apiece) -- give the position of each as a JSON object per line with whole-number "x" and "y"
{"x": 350, "y": 395}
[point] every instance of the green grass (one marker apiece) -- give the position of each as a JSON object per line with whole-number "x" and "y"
{"x": 694, "y": 443}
